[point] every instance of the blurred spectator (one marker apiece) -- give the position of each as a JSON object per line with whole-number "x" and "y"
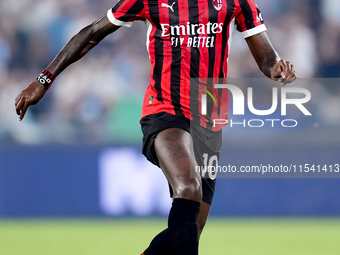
{"x": 329, "y": 42}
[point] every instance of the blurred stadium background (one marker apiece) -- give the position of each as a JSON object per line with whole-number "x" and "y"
{"x": 72, "y": 177}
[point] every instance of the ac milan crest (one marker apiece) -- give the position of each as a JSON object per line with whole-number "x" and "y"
{"x": 217, "y": 4}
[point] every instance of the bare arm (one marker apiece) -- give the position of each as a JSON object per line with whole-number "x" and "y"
{"x": 269, "y": 61}
{"x": 75, "y": 49}
{"x": 81, "y": 44}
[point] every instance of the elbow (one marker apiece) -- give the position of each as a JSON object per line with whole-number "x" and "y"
{"x": 87, "y": 33}
{"x": 86, "y": 39}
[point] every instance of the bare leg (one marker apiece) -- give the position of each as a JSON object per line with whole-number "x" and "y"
{"x": 173, "y": 148}
{"x": 174, "y": 152}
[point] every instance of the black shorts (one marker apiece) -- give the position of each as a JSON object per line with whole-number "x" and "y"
{"x": 207, "y": 145}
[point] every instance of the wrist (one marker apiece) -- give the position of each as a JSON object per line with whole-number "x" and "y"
{"x": 46, "y": 78}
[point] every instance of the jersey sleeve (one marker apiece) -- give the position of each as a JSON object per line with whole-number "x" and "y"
{"x": 125, "y": 12}
{"x": 249, "y": 21}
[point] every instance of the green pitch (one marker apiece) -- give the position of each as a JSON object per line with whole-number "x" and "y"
{"x": 131, "y": 236}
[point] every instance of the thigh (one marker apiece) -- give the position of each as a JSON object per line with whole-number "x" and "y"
{"x": 174, "y": 151}
{"x": 153, "y": 124}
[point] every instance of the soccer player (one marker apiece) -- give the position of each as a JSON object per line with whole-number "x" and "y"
{"x": 185, "y": 40}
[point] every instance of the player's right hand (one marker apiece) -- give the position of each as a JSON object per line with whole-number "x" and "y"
{"x": 29, "y": 96}
{"x": 283, "y": 72}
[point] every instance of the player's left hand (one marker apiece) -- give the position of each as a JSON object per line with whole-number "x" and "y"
{"x": 283, "y": 72}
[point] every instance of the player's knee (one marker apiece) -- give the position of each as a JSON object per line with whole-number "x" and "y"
{"x": 190, "y": 190}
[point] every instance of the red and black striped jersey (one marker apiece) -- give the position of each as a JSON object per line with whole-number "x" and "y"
{"x": 188, "y": 41}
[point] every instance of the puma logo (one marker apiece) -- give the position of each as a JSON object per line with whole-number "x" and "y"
{"x": 169, "y": 6}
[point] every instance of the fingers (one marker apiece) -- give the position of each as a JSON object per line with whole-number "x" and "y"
{"x": 17, "y": 99}
{"x": 287, "y": 72}
{"x": 20, "y": 106}
{"x": 284, "y": 68}
{"x": 23, "y": 111}
{"x": 18, "y": 103}
{"x": 291, "y": 78}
